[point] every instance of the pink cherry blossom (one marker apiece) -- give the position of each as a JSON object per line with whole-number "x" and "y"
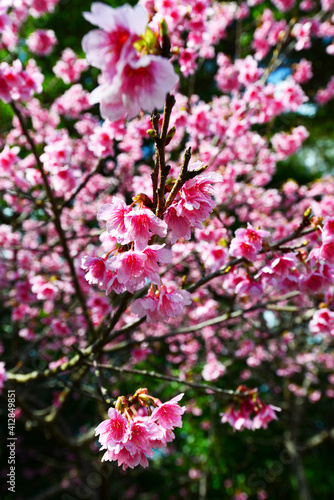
{"x": 169, "y": 414}
{"x": 41, "y": 42}
{"x": 133, "y": 269}
{"x": 322, "y": 322}
{"x": 119, "y": 27}
{"x": 69, "y": 67}
{"x": 247, "y": 242}
{"x": 114, "y": 430}
{"x": 140, "y": 83}
{"x": 114, "y": 214}
{"x": 171, "y": 304}
{"x": 141, "y": 225}
{"x": 95, "y": 268}
{"x": 3, "y": 375}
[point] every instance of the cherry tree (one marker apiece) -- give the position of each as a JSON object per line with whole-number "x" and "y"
{"x": 146, "y": 241}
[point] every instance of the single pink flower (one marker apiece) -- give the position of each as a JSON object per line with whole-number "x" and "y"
{"x": 178, "y": 224}
{"x": 265, "y": 415}
{"x": 41, "y": 42}
{"x": 168, "y": 415}
{"x": 113, "y": 431}
{"x": 120, "y": 26}
{"x": 146, "y": 307}
{"x": 171, "y": 304}
{"x": 140, "y": 83}
{"x": 141, "y": 225}
{"x": 114, "y": 214}
{"x": 95, "y": 268}
{"x": 132, "y": 270}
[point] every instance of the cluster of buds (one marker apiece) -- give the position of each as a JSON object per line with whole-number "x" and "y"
{"x": 249, "y": 412}
{"x": 138, "y": 425}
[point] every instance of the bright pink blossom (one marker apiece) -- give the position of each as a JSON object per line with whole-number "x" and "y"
{"x": 141, "y": 225}
{"x": 129, "y": 439}
{"x": 247, "y": 242}
{"x": 169, "y": 414}
{"x": 322, "y": 322}
{"x": 95, "y": 268}
{"x": 114, "y": 430}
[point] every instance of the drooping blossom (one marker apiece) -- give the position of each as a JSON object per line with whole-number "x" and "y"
{"x": 114, "y": 214}
{"x": 140, "y": 83}
{"x": 161, "y": 304}
{"x": 194, "y": 205}
{"x": 141, "y": 225}
{"x": 169, "y": 414}
{"x": 249, "y": 413}
{"x": 133, "y": 269}
{"x": 129, "y": 437}
{"x": 95, "y": 268}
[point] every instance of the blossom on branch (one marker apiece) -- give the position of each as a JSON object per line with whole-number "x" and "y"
{"x": 129, "y": 436}
{"x": 133, "y": 76}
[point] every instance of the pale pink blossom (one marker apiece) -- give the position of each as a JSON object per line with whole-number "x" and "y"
{"x": 114, "y": 214}
{"x": 213, "y": 369}
{"x": 120, "y": 26}
{"x": 169, "y": 414}
{"x": 171, "y": 304}
{"x": 95, "y": 268}
{"x": 141, "y": 83}
{"x": 69, "y": 67}
{"x": 41, "y": 42}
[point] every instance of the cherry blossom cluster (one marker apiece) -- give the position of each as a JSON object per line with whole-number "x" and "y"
{"x": 138, "y": 425}
{"x": 17, "y": 83}
{"x": 134, "y": 262}
{"x": 133, "y": 76}
{"x": 249, "y": 413}
{"x": 69, "y": 67}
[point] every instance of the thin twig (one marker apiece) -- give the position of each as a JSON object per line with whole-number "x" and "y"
{"x": 160, "y": 376}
